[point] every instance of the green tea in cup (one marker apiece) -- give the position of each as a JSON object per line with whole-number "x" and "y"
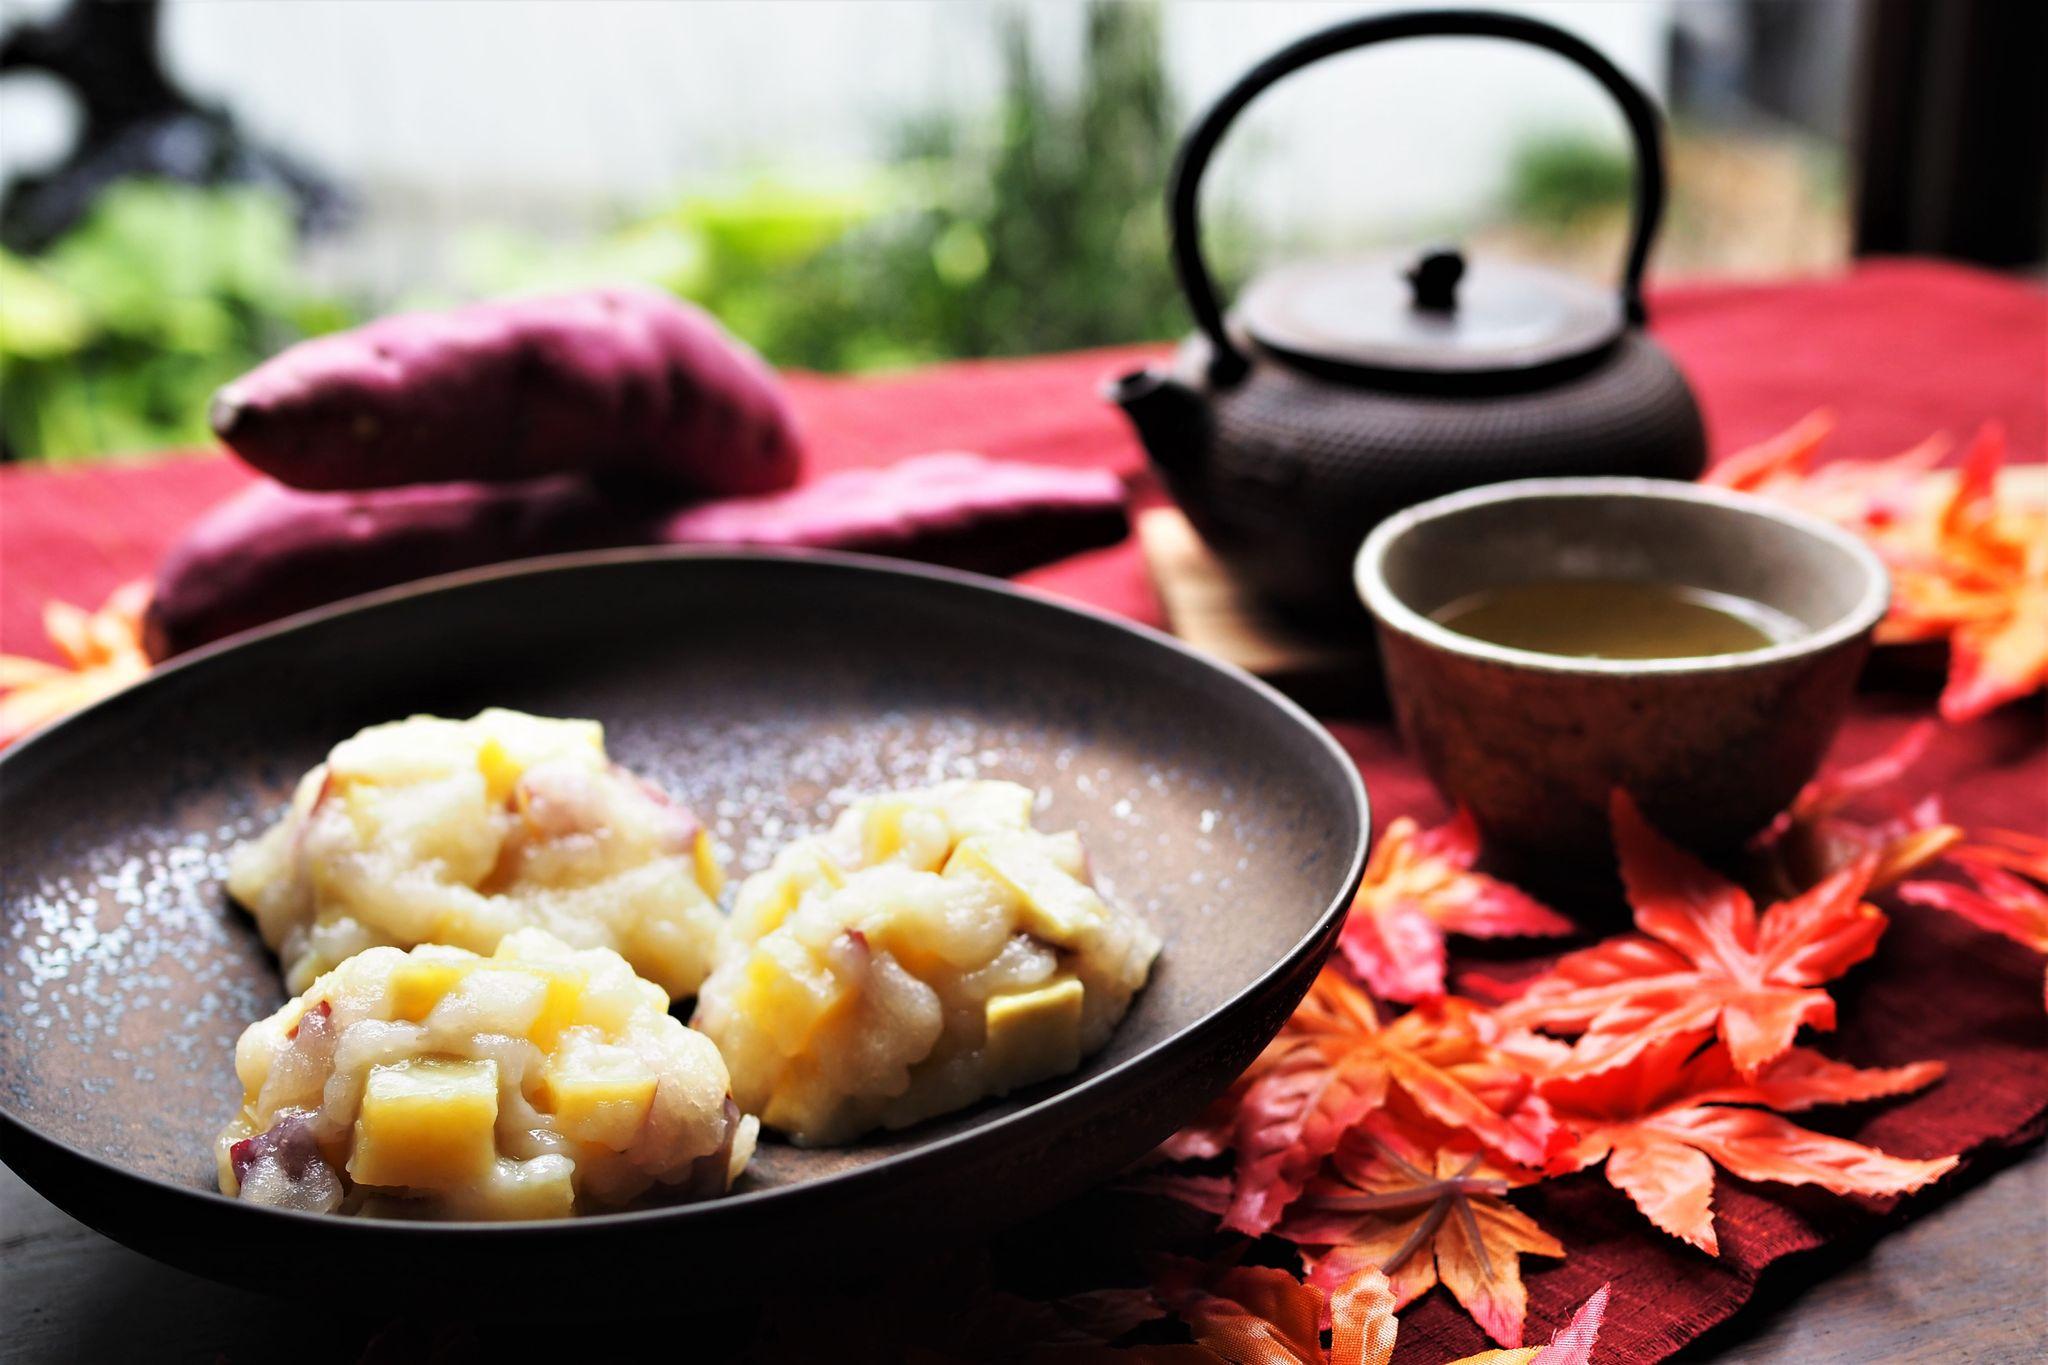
{"x": 1594, "y": 618}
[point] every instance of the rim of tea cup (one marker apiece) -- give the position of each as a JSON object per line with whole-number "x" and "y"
{"x": 1368, "y": 573}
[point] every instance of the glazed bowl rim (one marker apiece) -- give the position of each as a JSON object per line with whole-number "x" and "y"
{"x": 1319, "y": 937}
{"x": 1386, "y": 606}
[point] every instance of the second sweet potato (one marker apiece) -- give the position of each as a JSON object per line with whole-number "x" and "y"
{"x": 270, "y": 551}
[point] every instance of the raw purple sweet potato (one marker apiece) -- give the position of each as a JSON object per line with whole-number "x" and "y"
{"x": 965, "y": 511}
{"x": 623, "y": 383}
{"x": 271, "y": 551}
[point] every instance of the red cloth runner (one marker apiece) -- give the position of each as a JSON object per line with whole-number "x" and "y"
{"x": 1897, "y": 349}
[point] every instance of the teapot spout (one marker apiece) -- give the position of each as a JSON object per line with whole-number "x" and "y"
{"x": 1171, "y": 417}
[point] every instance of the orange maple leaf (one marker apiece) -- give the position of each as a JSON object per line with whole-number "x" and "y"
{"x": 1815, "y": 837}
{"x": 1255, "y": 1315}
{"x": 1422, "y": 1209}
{"x": 1705, "y": 959}
{"x": 1869, "y": 496}
{"x": 2026, "y": 854}
{"x": 1998, "y": 899}
{"x": 1418, "y": 886}
{"x": 1259, "y": 1315}
{"x": 1967, "y": 566}
{"x": 1414, "y": 1201}
{"x": 1680, "y": 1107}
{"x": 1980, "y": 579}
{"x": 103, "y": 653}
{"x": 1334, "y": 1063}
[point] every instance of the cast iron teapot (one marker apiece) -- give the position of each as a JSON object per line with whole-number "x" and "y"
{"x": 1338, "y": 393}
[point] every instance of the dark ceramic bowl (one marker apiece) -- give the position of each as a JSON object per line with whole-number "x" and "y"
{"x": 763, "y": 689}
{"x": 1712, "y": 747}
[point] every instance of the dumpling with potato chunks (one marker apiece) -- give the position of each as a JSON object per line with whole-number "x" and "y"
{"x": 459, "y": 832}
{"x": 930, "y": 949}
{"x": 532, "y": 1083}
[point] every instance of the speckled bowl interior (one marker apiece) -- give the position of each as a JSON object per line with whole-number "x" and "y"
{"x": 762, "y": 690}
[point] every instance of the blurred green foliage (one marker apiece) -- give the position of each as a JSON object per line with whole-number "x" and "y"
{"x": 1558, "y": 178}
{"x": 1041, "y": 229}
{"x": 113, "y": 339}
{"x": 1043, "y": 232}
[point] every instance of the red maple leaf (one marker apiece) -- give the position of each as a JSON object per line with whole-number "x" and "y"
{"x": 102, "y": 654}
{"x": 1680, "y": 1107}
{"x": 1869, "y": 496}
{"x": 1979, "y": 577}
{"x": 1414, "y": 1201}
{"x": 1968, "y": 565}
{"x": 1705, "y": 959}
{"x": 1997, "y": 899}
{"x": 2009, "y": 849}
{"x": 1259, "y": 1315}
{"x": 1418, "y": 886}
{"x": 1334, "y": 1063}
{"x": 1422, "y": 1209}
{"x": 1818, "y": 835}
{"x": 1256, "y": 1315}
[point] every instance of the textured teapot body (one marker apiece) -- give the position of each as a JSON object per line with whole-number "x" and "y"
{"x": 1284, "y": 472}
{"x": 1336, "y": 393}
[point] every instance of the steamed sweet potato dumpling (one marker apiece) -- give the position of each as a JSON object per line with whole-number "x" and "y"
{"x": 527, "y": 1084}
{"x": 930, "y": 949}
{"x": 458, "y": 832}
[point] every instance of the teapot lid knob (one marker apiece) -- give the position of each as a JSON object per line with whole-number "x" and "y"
{"x": 1434, "y": 280}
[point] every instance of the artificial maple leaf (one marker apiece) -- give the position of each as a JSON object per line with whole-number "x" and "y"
{"x": 1418, "y": 886}
{"x": 1967, "y": 565}
{"x": 2008, "y": 849}
{"x": 1816, "y": 835}
{"x": 1571, "y": 1344}
{"x": 1982, "y": 582}
{"x": 1680, "y": 1107}
{"x": 1413, "y": 1201}
{"x": 1253, "y": 1315}
{"x": 103, "y": 651}
{"x": 1333, "y": 1063}
{"x": 1705, "y": 959}
{"x": 1422, "y": 1208}
{"x": 1259, "y": 1315}
{"x": 1999, "y": 901}
{"x": 1870, "y": 496}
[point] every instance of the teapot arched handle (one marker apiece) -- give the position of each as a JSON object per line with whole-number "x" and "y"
{"x": 1183, "y": 213}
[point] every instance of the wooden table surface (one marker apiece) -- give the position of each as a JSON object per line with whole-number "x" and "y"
{"x": 1967, "y": 1284}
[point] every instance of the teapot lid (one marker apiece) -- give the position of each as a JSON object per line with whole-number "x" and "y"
{"x": 1437, "y": 316}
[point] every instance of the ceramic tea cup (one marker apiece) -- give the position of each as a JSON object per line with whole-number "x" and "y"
{"x": 1533, "y": 744}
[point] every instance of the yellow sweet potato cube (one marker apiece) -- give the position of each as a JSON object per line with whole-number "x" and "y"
{"x": 1035, "y": 1034}
{"x": 500, "y": 771}
{"x": 599, "y": 1094}
{"x": 559, "y": 1011}
{"x": 882, "y": 830}
{"x": 1052, "y": 904}
{"x": 428, "y": 1123}
{"x": 710, "y": 875}
{"x": 417, "y": 985}
{"x": 808, "y": 869}
{"x": 790, "y": 996}
{"x": 609, "y": 1011}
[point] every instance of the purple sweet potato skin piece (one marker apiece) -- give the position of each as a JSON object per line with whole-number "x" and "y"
{"x": 271, "y": 551}
{"x": 953, "y": 508}
{"x": 625, "y": 383}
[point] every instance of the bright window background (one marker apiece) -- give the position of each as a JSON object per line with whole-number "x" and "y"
{"x": 866, "y": 185}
